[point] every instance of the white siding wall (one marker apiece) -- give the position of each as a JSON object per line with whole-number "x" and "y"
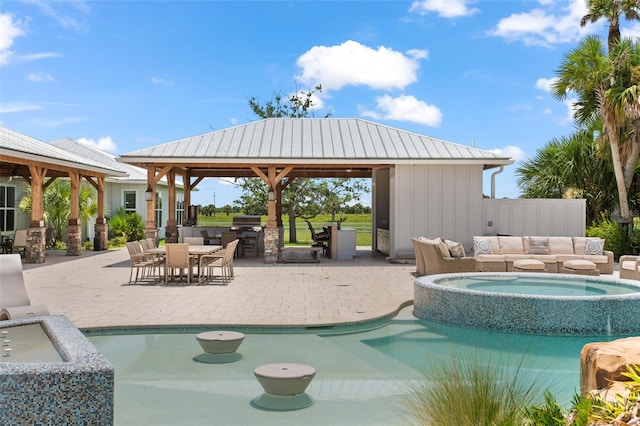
{"x": 535, "y": 217}
{"x": 434, "y": 201}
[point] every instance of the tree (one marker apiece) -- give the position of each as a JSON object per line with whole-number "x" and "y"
{"x": 606, "y": 90}
{"x": 574, "y": 166}
{"x": 335, "y": 194}
{"x": 57, "y": 205}
{"x": 301, "y": 197}
{"x": 611, "y": 10}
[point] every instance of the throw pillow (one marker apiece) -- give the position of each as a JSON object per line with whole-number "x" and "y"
{"x": 455, "y": 248}
{"x": 444, "y": 250}
{"x": 594, "y": 246}
{"x": 538, "y": 245}
{"x": 481, "y": 246}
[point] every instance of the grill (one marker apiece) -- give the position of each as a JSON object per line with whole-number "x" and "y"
{"x": 247, "y": 228}
{"x": 242, "y": 224}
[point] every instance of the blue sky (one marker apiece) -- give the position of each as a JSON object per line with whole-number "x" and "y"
{"x": 124, "y": 75}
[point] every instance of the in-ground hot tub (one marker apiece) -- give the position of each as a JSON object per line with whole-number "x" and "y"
{"x": 50, "y": 373}
{"x": 530, "y": 303}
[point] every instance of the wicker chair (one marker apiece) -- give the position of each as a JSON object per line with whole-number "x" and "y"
{"x": 433, "y": 262}
{"x": 630, "y": 267}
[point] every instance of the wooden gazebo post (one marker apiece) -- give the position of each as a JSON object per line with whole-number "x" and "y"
{"x": 271, "y": 231}
{"x": 150, "y": 227}
{"x": 36, "y": 234}
{"x": 74, "y": 228}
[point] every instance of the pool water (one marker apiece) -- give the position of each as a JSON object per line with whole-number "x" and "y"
{"x": 548, "y": 286}
{"x": 360, "y": 376}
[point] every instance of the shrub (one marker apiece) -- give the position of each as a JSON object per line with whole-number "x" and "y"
{"x": 616, "y": 237}
{"x": 116, "y": 242}
{"x": 128, "y": 225}
{"x": 465, "y": 391}
{"x": 87, "y": 245}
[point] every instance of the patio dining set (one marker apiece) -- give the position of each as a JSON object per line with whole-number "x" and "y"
{"x": 191, "y": 261}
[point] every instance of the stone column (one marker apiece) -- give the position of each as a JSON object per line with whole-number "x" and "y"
{"x": 171, "y": 234}
{"x": 36, "y": 245}
{"x": 271, "y": 245}
{"x": 151, "y": 233}
{"x": 74, "y": 238}
{"x": 101, "y": 238}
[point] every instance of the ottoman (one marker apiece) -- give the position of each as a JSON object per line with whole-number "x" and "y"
{"x": 528, "y": 265}
{"x": 579, "y": 267}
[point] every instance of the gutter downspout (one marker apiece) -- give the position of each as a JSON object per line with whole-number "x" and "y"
{"x": 493, "y": 181}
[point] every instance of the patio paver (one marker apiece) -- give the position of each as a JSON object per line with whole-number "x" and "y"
{"x": 92, "y": 291}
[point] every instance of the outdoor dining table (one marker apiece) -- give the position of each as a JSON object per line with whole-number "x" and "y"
{"x": 194, "y": 250}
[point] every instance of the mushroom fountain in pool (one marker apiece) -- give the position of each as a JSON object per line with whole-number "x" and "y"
{"x": 530, "y": 303}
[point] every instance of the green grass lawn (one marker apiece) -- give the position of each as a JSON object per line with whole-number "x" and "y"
{"x": 361, "y": 222}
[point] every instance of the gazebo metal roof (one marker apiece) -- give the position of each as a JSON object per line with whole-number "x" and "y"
{"x": 317, "y": 147}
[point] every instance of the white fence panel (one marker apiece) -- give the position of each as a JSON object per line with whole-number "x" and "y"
{"x": 557, "y": 217}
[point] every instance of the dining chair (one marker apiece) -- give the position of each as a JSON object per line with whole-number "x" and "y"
{"x": 194, "y": 241}
{"x": 177, "y": 258}
{"x": 139, "y": 262}
{"x": 209, "y": 262}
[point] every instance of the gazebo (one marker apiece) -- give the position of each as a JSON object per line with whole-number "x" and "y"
{"x": 409, "y": 172}
{"x": 39, "y": 164}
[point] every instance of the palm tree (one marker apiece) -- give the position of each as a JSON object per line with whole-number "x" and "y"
{"x": 574, "y": 166}
{"x": 604, "y": 89}
{"x": 611, "y": 10}
{"x": 57, "y": 207}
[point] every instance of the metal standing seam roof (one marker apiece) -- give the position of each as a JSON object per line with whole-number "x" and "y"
{"x": 22, "y": 146}
{"x": 86, "y": 151}
{"x": 313, "y": 139}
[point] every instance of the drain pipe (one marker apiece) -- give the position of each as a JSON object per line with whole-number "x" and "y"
{"x": 493, "y": 181}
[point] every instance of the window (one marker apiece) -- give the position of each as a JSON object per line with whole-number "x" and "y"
{"x": 130, "y": 201}
{"x": 7, "y": 208}
{"x": 159, "y": 222}
{"x": 179, "y": 209}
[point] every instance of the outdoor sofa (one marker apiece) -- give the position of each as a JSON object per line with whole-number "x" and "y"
{"x": 440, "y": 256}
{"x": 497, "y": 253}
{"x": 630, "y": 267}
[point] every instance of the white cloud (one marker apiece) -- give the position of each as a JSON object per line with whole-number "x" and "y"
{"x": 40, "y": 77}
{"x": 444, "y": 8}
{"x": 633, "y": 31}
{"x": 18, "y": 107}
{"x": 511, "y": 151}
{"x": 161, "y": 81}
{"x": 10, "y": 29}
{"x": 405, "y": 108}
{"x": 63, "y": 12}
{"x": 546, "y": 83}
{"x": 352, "y": 63}
{"x": 105, "y": 143}
{"x": 547, "y": 25}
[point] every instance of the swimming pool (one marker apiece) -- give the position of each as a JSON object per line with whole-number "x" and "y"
{"x": 530, "y": 303}
{"x": 360, "y": 376}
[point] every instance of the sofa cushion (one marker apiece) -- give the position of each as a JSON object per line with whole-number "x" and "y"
{"x": 630, "y": 265}
{"x": 456, "y": 249}
{"x": 511, "y": 245}
{"x": 538, "y": 245}
{"x": 594, "y": 246}
{"x": 489, "y": 258}
{"x": 578, "y": 244}
{"x": 482, "y": 245}
{"x": 591, "y": 258}
{"x": 560, "y": 245}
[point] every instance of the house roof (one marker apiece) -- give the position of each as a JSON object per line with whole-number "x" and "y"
{"x": 21, "y": 149}
{"x": 297, "y": 141}
{"x": 134, "y": 173}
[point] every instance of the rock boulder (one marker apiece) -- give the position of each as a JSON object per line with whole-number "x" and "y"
{"x": 602, "y": 363}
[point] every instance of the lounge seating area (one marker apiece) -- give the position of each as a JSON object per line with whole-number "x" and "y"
{"x": 498, "y": 253}
{"x": 14, "y": 300}
{"x": 569, "y": 255}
